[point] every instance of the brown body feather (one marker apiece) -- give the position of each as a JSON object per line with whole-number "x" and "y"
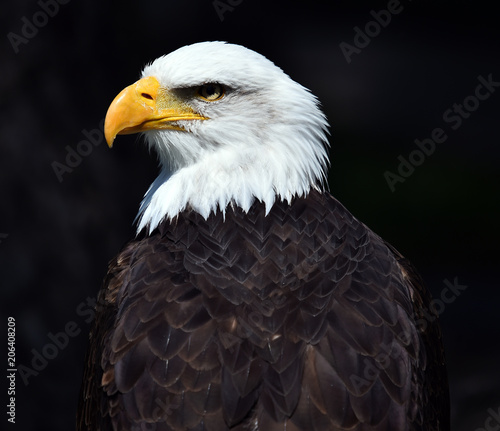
{"x": 303, "y": 319}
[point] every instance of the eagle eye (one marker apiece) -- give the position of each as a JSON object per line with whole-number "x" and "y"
{"x": 211, "y": 92}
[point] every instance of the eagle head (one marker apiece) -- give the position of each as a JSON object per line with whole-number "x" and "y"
{"x": 228, "y": 126}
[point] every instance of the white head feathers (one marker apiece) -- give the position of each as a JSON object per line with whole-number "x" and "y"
{"x": 265, "y": 139}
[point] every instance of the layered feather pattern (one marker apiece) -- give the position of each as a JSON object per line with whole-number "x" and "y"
{"x": 303, "y": 319}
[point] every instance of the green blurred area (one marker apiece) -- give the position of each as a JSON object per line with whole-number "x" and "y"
{"x": 445, "y": 213}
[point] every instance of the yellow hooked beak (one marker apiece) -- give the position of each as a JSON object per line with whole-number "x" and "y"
{"x": 144, "y": 105}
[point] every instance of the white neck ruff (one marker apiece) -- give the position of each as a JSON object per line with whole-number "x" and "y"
{"x": 236, "y": 176}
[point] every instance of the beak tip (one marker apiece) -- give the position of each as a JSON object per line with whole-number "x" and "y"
{"x": 110, "y": 139}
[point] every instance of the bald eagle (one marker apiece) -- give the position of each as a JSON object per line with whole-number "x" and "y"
{"x": 251, "y": 299}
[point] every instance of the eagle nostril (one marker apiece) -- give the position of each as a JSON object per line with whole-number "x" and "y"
{"x": 147, "y": 96}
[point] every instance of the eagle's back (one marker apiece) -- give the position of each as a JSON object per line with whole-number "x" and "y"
{"x": 301, "y": 319}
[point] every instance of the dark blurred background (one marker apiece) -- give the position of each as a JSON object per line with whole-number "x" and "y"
{"x": 61, "y": 224}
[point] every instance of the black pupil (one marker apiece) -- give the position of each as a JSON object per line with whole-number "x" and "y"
{"x": 210, "y": 90}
